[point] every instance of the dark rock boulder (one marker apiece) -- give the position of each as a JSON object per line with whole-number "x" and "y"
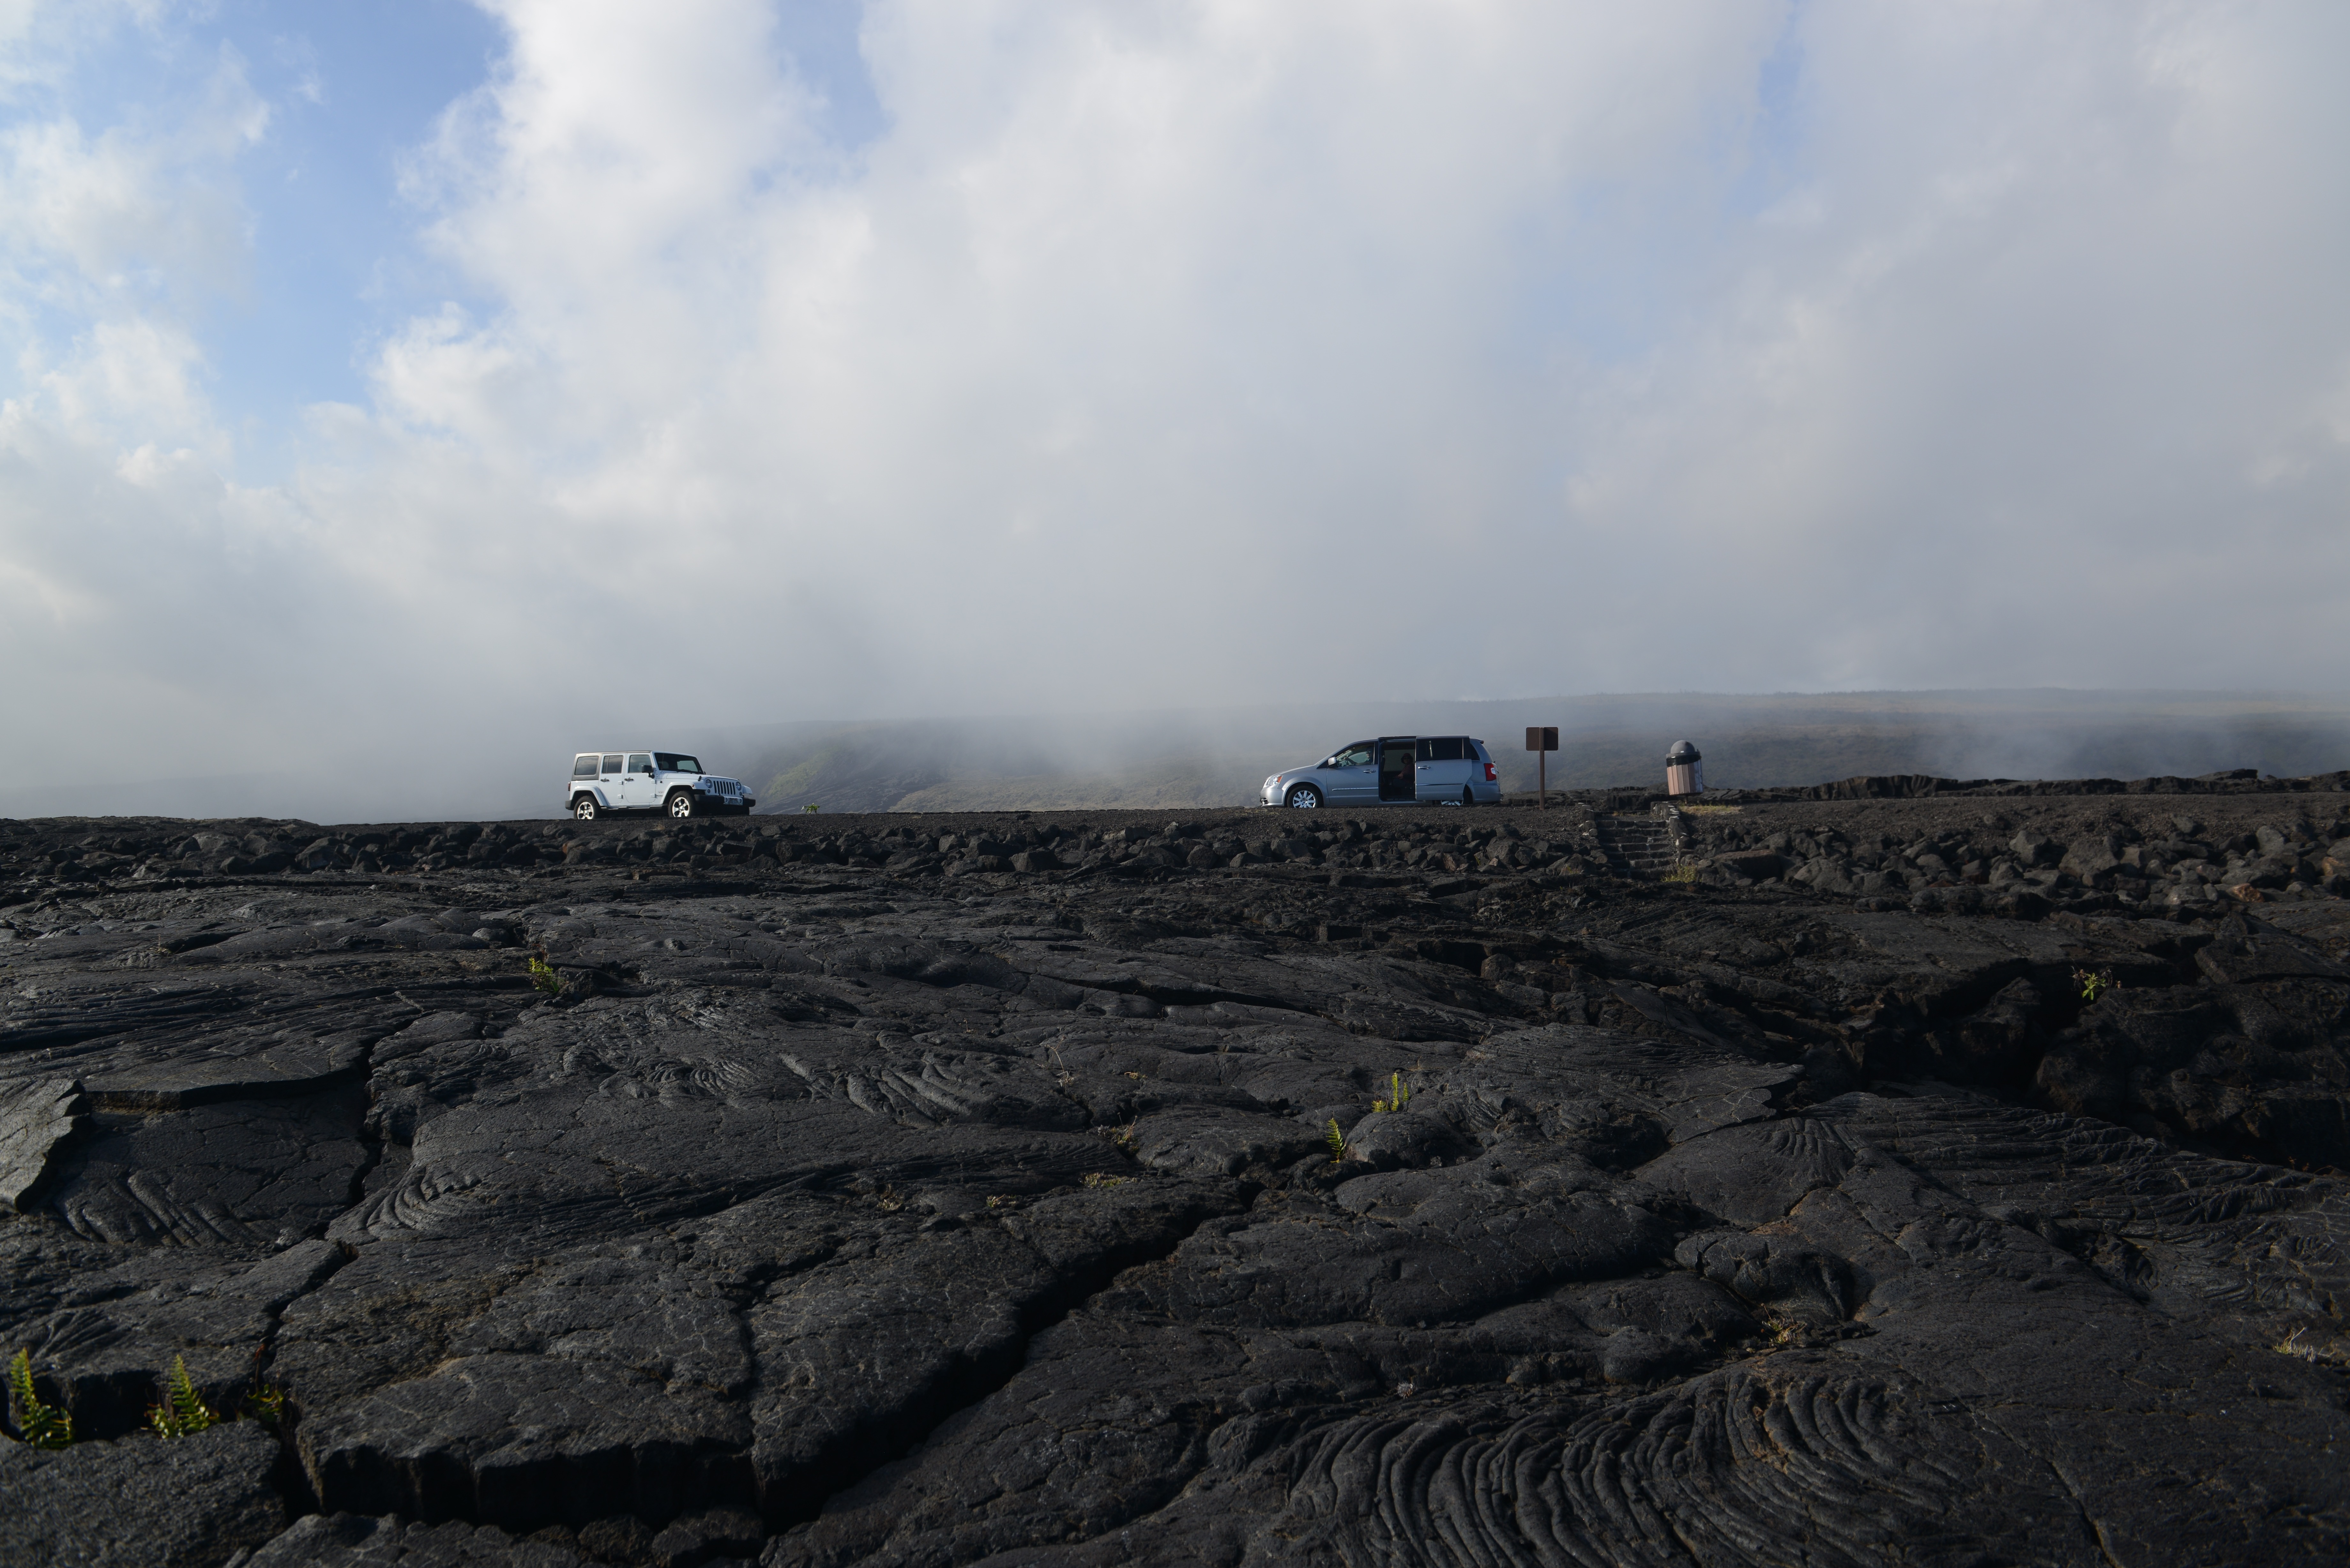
{"x": 354, "y": 1541}
{"x": 203, "y": 1499}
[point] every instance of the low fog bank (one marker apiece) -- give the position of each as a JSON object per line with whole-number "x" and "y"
{"x": 521, "y": 770}
{"x": 1199, "y": 757}
{"x": 1196, "y": 758}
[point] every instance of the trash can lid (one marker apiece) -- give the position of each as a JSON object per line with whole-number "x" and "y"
{"x": 1683, "y": 752}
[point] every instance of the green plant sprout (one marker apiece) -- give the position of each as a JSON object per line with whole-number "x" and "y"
{"x": 182, "y": 1413}
{"x": 1398, "y": 1094}
{"x": 265, "y": 1402}
{"x": 43, "y": 1425}
{"x": 543, "y": 975}
{"x": 2092, "y": 981}
{"x": 810, "y": 808}
{"x": 1101, "y": 1182}
{"x": 1680, "y": 876}
{"x": 1337, "y": 1140}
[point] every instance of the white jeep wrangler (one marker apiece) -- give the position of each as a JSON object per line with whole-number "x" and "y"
{"x": 668, "y": 781}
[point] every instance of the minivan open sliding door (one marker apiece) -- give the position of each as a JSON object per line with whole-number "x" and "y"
{"x": 1398, "y": 765}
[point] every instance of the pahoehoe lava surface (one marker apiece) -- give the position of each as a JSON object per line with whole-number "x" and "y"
{"x": 1951, "y": 1180}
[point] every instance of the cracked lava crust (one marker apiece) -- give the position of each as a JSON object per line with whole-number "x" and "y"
{"x": 1948, "y": 1180}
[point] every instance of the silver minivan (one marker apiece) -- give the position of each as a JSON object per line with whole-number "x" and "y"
{"x": 1438, "y": 770}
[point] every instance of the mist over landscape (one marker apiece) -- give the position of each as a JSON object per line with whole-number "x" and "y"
{"x": 1200, "y": 757}
{"x": 1195, "y": 758}
{"x": 398, "y": 398}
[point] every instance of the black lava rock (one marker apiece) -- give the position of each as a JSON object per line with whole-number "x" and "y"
{"x": 1911, "y": 1168}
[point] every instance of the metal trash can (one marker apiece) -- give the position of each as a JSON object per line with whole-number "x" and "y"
{"x": 1684, "y": 770}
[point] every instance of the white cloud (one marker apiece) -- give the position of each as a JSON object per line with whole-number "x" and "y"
{"x": 135, "y": 376}
{"x": 1127, "y": 295}
{"x": 103, "y": 223}
{"x": 1215, "y": 351}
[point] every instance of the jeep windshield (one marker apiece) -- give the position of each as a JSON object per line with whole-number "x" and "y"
{"x": 671, "y": 763}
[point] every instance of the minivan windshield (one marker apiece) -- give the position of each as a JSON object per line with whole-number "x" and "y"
{"x": 671, "y": 763}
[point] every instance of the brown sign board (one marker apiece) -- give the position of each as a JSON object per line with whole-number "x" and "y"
{"x": 1540, "y": 739}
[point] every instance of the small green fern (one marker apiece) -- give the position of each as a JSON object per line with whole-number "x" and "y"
{"x": 42, "y": 1425}
{"x": 1337, "y": 1140}
{"x": 182, "y": 1412}
{"x": 264, "y": 1400}
{"x": 1398, "y": 1094}
{"x": 267, "y": 1405}
{"x": 543, "y": 975}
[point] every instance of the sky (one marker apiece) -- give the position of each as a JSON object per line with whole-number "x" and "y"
{"x": 390, "y": 390}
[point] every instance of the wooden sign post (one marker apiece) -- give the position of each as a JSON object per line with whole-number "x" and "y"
{"x": 1541, "y": 740}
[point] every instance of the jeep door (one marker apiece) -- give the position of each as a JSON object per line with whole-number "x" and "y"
{"x": 643, "y": 788}
{"x": 608, "y": 782}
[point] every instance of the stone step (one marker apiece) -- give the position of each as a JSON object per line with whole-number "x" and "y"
{"x": 1634, "y": 845}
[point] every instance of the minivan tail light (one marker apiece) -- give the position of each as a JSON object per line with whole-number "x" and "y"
{"x": 1491, "y": 776}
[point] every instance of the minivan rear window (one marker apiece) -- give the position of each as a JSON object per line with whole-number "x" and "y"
{"x": 584, "y": 768}
{"x": 1442, "y": 749}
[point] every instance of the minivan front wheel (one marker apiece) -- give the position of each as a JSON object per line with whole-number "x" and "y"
{"x": 1304, "y": 797}
{"x": 584, "y": 808}
{"x": 680, "y": 804}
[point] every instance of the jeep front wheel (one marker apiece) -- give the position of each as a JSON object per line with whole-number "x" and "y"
{"x": 680, "y": 804}
{"x": 584, "y": 808}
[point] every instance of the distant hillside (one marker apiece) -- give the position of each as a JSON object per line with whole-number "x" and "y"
{"x": 1193, "y": 758}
